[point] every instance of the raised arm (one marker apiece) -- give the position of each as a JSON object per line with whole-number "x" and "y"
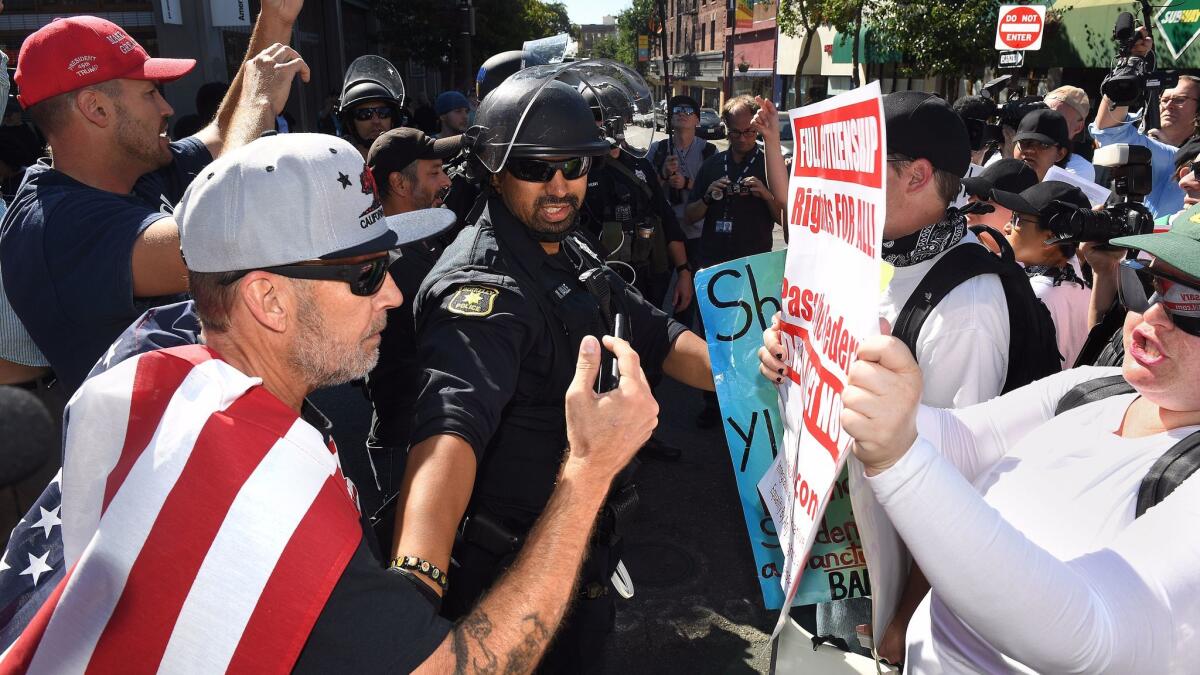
{"x": 230, "y": 130}
{"x": 766, "y": 123}
{"x": 512, "y": 625}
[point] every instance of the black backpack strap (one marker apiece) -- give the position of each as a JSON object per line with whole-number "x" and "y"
{"x": 1092, "y": 391}
{"x": 955, "y": 266}
{"x": 1168, "y": 472}
{"x": 708, "y": 150}
{"x": 1006, "y": 251}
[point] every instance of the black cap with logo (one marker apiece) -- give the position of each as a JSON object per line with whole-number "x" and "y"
{"x": 1044, "y": 126}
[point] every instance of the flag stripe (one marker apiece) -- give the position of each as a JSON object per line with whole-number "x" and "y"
{"x": 100, "y": 577}
{"x": 190, "y": 519}
{"x": 331, "y": 526}
{"x": 158, "y": 376}
{"x": 260, "y": 522}
{"x": 98, "y": 416}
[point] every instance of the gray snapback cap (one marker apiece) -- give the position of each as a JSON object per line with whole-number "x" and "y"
{"x": 288, "y": 198}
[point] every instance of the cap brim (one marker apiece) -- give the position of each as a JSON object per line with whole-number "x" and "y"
{"x": 160, "y": 70}
{"x": 445, "y": 148}
{"x": 978, "y": 187}
{"x": 1013, "y": 202}
{"x": 1178, "y": 251}
{"x": 1034, "y": 136}
{"x": 403, "y": 229}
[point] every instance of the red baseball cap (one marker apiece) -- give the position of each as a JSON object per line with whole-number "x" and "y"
{"x": 68, "y": 54}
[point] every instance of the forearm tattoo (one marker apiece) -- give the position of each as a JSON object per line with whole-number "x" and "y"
{"x": 472, "y": 635}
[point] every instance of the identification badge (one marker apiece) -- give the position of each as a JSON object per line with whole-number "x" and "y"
{"x": 724, "y": 227}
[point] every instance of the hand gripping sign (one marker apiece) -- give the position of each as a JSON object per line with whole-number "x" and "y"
{"x": 830, "y": 299}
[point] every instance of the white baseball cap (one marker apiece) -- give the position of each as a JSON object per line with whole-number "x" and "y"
{"x": 288, "y": 198}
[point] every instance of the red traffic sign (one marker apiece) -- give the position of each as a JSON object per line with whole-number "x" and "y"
{"x": 1020, "y": 27}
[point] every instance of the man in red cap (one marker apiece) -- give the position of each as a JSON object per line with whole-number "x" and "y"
{"x": 89, "y": 243}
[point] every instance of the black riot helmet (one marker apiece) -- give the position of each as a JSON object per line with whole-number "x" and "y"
{"x": 616, "y": 95}
{"x": 370, "y": 78}
{"x": 500, "y": 66}
{"x": 534, "y": 115}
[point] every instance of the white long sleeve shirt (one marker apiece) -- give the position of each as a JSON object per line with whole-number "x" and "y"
{"x": 1023, "y": 523}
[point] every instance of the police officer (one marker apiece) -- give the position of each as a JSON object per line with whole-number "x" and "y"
{"x": 499, "y": 319}
{"x": 372, "y": 101}
{"x": 630, "y": 215}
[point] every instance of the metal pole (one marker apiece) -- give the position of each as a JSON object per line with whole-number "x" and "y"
{"x": 467, "y": 16}
{"x": 731, "y": 25}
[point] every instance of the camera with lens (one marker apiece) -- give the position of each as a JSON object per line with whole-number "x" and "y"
{"x": 738, "y": 188}
{"x": 1125, "y": 214}
{"x": 1007, "y": 114}
{"x": 1127, "y": 82}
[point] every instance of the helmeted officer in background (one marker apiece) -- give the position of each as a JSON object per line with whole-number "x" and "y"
{"x": 372, "y": 101}
{"x": 628, "y": 213}
{"x": 499, "y": 320}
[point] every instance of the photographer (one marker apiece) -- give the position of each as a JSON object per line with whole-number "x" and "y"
{"x": 1049, "y": 266}
{"x": 1008, "y": 175}
{"x": 737, "y": 208}
{"x": 1178, "y": 108}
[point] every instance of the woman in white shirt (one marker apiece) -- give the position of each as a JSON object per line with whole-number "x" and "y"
{"x": 1023, "y": 521}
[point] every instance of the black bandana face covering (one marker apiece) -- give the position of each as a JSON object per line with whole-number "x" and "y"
{"x": 927, "y": 242}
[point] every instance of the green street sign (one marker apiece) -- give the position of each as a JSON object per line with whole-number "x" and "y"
{"x": 1179, "y": 24}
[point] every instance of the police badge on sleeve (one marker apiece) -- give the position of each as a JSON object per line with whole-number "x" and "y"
{"x": 473, "y": 301}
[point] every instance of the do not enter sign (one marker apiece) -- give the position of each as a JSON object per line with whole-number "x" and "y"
{"x": 1020, "y": 27}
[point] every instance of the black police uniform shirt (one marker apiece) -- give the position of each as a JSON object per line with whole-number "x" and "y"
{"x": 375, "y": 620}
{"x": 66, "y": 253}
{"x": 751, "y": 218}
{"x": 494, "y": 372}
{"x": 600, "y": 203}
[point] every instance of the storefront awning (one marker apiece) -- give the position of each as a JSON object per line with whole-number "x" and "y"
{"x": 1079, "y": 34}
{"x": 868, "y": 49}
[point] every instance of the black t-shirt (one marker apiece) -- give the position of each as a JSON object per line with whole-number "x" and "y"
{"x": 751, "y": 217}
{"x": 66, "y": 254}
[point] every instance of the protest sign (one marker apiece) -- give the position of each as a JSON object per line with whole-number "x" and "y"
{"x": 737, "y": 300}
{"x": 1097, "y": 195}
{"x": 830, "y": 300}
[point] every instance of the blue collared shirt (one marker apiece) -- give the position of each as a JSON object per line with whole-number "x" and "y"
{"x": 1165, "y": 198}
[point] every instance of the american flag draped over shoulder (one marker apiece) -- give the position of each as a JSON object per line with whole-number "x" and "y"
{"x": 204, "y": 525}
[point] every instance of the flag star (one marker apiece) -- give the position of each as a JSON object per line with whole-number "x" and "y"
{"x": 37, "y": 567}
{"x": 4, "y": 562}
{"x": 57, "y": 478}
{"x": 48, "y": 521}
{"x": 344, "y": 180}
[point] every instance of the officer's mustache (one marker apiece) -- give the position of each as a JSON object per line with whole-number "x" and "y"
{"x": 548, "y": 200}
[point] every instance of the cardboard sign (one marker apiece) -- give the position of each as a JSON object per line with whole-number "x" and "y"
{"x": 737, "y": 300}
{"x": 1020, "y": 27}
{"x": 830, "y": 298}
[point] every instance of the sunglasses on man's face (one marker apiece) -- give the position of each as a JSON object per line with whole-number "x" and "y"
{"x": 542, "y": 171}
{"x": 683, "y": 110}
{"x": 365, "y": 277}
{"x": 1137, "y": 278}
{"x": 382, "y": 112}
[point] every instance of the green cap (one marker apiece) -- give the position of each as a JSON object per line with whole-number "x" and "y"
{"x": 1179, "y": 247}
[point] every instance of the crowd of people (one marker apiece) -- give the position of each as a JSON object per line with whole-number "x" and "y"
{"x": 509, "y": 276}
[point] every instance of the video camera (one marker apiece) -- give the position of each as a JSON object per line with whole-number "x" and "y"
{"x": 1125, "y": 215}
{"x": 1127, "y": 82}
{"x": 1008, "y": 114}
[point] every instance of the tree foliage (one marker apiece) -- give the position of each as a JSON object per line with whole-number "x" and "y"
{"x": 631, "y": 22}
{"x": 950, "y": 38}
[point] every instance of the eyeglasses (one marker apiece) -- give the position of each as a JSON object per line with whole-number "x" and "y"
{"x": 383, "y": 112}
{"x": 683, "y": 110}
{"x": 365, "y": 277}
{"x": 741, "y": 132}
{"x": 542, "y": 171}
{"x": 1136, "y": 277}
{"x": 1019, "y": 219}
{"x": 1175, "y": 100}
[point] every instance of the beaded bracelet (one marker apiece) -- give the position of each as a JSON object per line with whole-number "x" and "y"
{"x": 421, "y": 566}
